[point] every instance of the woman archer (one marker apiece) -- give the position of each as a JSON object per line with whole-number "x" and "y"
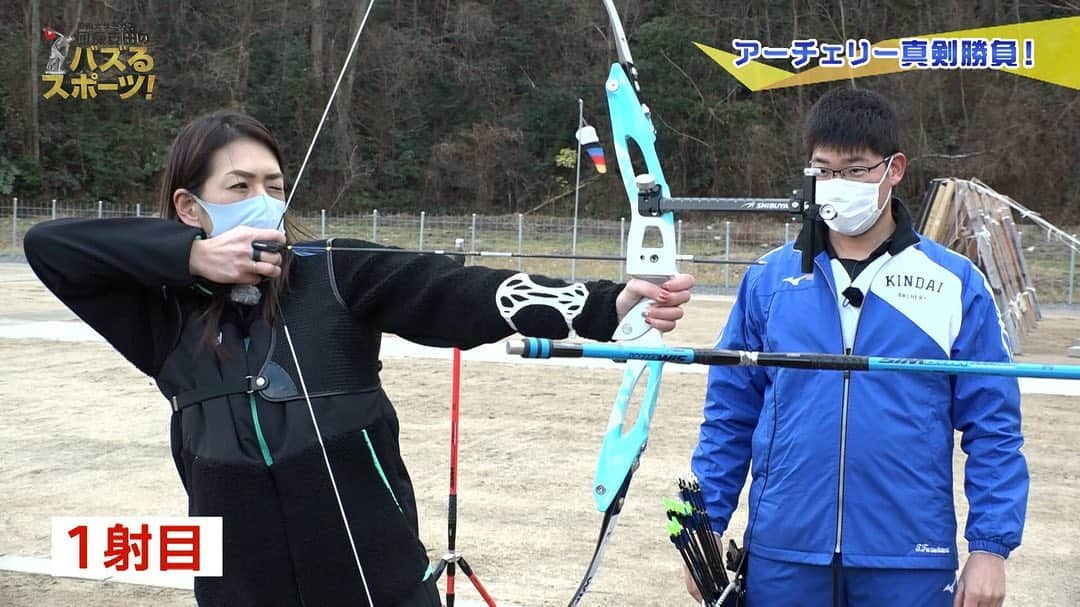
{"x": 158, "y": 290}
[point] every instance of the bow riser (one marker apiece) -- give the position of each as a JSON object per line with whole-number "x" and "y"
{"x": 630, "y": 121}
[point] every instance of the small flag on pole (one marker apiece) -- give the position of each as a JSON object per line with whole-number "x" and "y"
{"x": 588, "y": 140}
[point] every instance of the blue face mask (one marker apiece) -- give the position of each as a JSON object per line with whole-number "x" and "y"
{"x": 260, "y": 211}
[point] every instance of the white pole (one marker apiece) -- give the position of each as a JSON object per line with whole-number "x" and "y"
{"x": 14, "y": 222}
{"x": 521, "y": 219}
{"x": 421, "y": 246}
{"x": 727, "y": 253}
{"x": 577, "y": 190}
{"x": 1072, "y": 271}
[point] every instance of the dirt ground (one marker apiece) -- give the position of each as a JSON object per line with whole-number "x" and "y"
{"x": 83, "y": 433}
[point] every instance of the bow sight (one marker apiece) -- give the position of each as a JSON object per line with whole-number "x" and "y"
{"x": 801, "y": 204}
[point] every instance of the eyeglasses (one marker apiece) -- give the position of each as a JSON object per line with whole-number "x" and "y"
{"x": 854, "y": 173}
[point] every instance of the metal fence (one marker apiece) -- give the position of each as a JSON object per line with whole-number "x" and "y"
{"x": 1051, "y": 262}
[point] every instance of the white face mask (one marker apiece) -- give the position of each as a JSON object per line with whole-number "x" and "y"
{"x": 850, "y": 207}
{"x": 260, "y": 211}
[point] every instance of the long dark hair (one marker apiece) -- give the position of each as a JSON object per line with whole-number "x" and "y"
{"x": 188, "y": 167}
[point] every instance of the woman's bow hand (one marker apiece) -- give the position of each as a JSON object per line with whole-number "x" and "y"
{"x": 667, "y": 299}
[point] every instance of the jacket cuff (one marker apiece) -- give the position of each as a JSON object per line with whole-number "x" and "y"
{"x": 989, "y": 546}
{"x": 598, "y": 318}
{"x": 176, "y": 257}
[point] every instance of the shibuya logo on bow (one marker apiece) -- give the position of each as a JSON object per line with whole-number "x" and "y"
{"x": 762, "y": 205}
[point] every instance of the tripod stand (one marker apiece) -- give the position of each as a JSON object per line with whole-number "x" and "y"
{"x": 453, "y": 557}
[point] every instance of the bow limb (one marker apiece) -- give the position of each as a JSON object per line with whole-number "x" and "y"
{"x": 651, "y": 255}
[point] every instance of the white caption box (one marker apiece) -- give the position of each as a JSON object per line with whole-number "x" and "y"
{"x": 140, "y": 549}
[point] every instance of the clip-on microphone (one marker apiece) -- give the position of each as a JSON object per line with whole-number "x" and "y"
{"x": 853, "y": 296}
{"x": 250, "y": 295}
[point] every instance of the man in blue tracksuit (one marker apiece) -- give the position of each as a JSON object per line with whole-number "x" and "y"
{"x": 851, "y": 499}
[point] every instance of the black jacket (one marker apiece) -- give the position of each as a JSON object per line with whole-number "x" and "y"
{"x": 242, "y": 435}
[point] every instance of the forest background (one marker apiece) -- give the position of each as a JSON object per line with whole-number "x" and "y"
{"x": 470, "y": 106}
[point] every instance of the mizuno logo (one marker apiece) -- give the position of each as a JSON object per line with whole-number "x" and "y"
{"x": 950, "y": 587}
{"x": 795, "y": 280}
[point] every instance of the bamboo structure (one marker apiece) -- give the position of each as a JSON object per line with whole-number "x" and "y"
{"x": 972, "y": 219}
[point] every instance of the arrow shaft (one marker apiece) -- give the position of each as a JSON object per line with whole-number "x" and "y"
{"x": 314, "y": 250}
{"x": 545, "y": 348}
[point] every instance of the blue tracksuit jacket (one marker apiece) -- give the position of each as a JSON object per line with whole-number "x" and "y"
{"x": 861, "y": 463}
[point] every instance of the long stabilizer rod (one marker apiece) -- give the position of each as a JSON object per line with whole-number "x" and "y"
{"x": 533, "y": 347}
{"x": 306, "y": 250}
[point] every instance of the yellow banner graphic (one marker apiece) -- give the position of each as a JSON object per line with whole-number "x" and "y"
{"x": 1050, "y": 50}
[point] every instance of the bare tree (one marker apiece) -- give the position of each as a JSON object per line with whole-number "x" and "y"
{"x": 32, "y": 133}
